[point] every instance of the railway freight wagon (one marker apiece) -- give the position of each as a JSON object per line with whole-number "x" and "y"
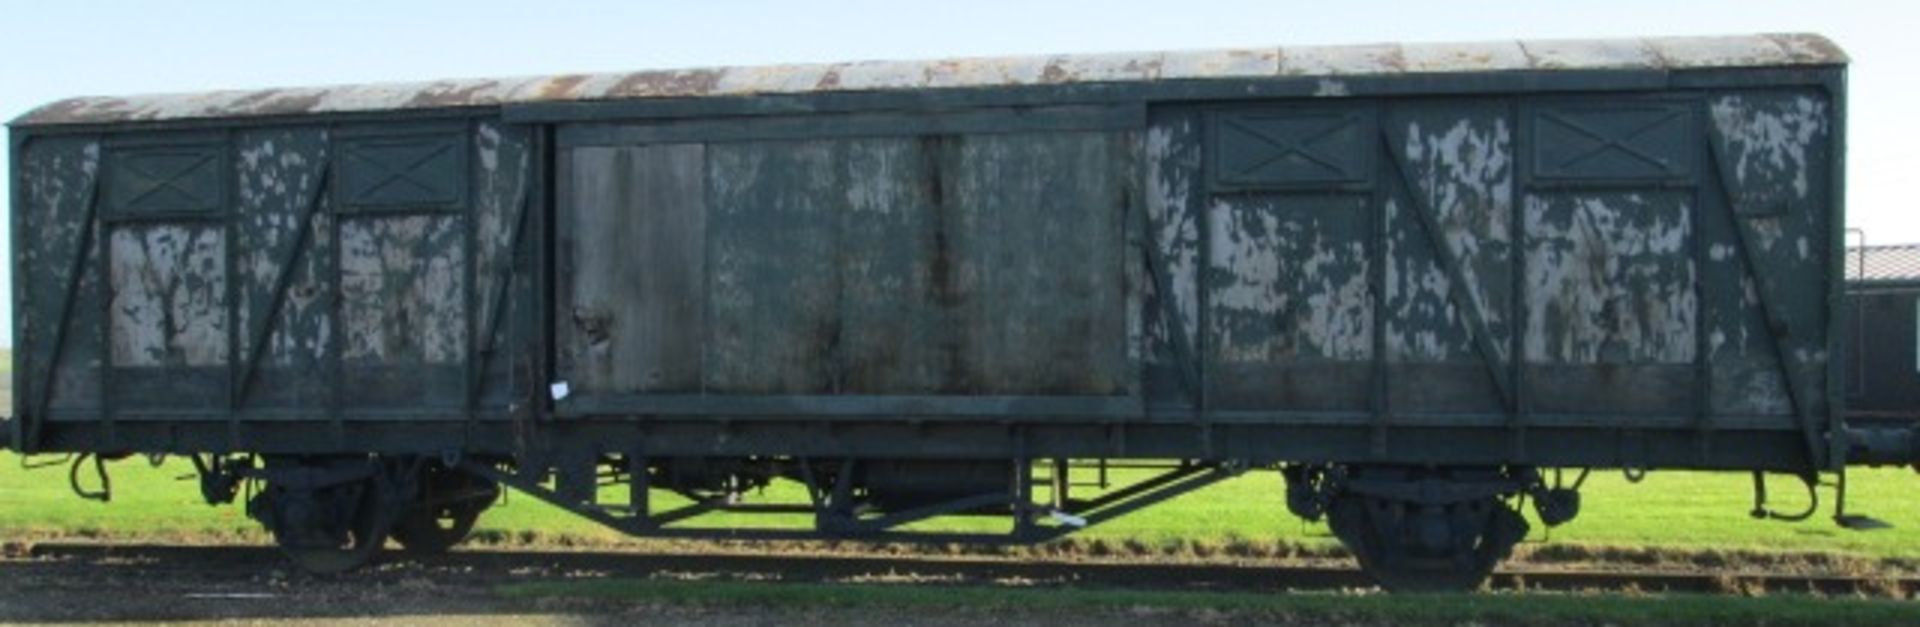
{"x": 1881, "y": 335}
{"x": 1416, "y": 281}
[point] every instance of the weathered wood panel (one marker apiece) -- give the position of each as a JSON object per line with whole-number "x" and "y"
{"x": 1609, "y": 278}
{"x": 278, "y": 173}
{"x": 1460, "y": 157}
{"x": 507, "y": 223}
{"x": 1291, "y": 309}
{"x": 898, "y": 275}
{"x": 638, "y": 222}
{"x": 1451, "y": 204}
{"x": 1175, "y": 197}
{"x": 167, "y": 323}
{"x": 58, "y": 180}
{"x": 403, "y": 310}
{"x": 1769, "y": 249}
{"x": 1045, "y": 216}
{"x": 773, "y": 290}
{"x": 936, "y": 264}
{"x": 169, "y": 296}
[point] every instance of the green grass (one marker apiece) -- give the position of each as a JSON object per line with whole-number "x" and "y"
{"x": 1318, "y": 608}
{"x": 1679, "y": 510}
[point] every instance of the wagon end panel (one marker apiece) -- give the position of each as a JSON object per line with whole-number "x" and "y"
{"x": 1612, "y": 286}
{"x": 1636, "y": 264}
{"x": 59, "y": 299}
{"x": 206, "y": 285}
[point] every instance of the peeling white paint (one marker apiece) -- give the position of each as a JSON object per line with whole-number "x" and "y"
{"x": 1607, "y": 281}
{"x": 402, "y": 282}
{"x": 1294, "y": 288}
{"x": 1464, "y": 171}
{"x": 1769, "y": 141}
{"x": 169, "y": 296}
{"x": 273, "y": 189}
{"x": 1170, "y": 182}
{"x": 1331, "y": 88}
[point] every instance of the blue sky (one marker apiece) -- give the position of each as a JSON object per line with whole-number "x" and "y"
{"x": 58, "y": 49}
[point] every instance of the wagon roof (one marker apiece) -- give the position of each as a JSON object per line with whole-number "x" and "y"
{"x": 1886, "y": 262}
{"x": 1668, "y": 53}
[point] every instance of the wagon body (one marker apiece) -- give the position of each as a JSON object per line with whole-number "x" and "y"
{"x": 1570, "y": 253}
{"x": 1456, "y": 256}
{"x": 1880, "y": 335}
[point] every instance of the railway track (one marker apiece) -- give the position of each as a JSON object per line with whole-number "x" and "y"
{"x": 233, "y": 570}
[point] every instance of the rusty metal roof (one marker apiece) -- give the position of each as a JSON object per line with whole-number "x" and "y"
{"x": 1772, "y": 50}
{"x": 1893, "y": 262}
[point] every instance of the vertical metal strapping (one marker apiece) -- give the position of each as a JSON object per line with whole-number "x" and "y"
{"x": 1203, "y": 276}
{"x": 336, "y": 293}
{"x": 1702, "y": 364}
{"x": 503, "y": 276}
{"x": 1836, "y": 88}
{"x": 22, "y": 341}
{"x": 231, "y": 233}
{"x": 103, "y": 234}
{"x": 470, "y": 227}
{"x": 1382, "y": 389}
{"x": 547, "y": 153}
{"x": 1517, "y": 276}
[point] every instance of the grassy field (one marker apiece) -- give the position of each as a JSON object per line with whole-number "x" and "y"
{"x": 1678, "y": 510}
{"x": 1669, "y": 510}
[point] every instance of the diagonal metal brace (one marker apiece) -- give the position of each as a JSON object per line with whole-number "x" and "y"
{"x": 1776, "y": 325}
{"x": 1457, "y": 285}
{"x": 1183, "y": 352}
{"x": 303, "y": 231}
{"x": 76, "y": 269}
{"x": 502, "y": 280}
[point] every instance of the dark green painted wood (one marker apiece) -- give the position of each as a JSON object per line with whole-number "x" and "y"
{"x": 864, "y": 124}
{"x": 1100, "y": 93}
{"x": 506, "y": 212}
{"x": 63, "y": 197}
{"x": 638, "y": 224}
{"x": 1466, "y": 306}
{"x": 283, "y": 254}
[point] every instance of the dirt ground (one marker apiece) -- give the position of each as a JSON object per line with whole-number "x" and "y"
{"x": 69, "y": 596}
{"x": 250, "y": 587}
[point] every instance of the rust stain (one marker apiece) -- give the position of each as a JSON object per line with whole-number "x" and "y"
{"x": 1055, "y": 73}
{"x": 829, "y": 81}
{"x": 560, "y": 87}
{"x": 1330, "y": 61}
{"x": 666, "y": 84}
{"x": 452, "y": 95}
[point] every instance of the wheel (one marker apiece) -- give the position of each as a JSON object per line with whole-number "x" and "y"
{"x": 1409, "y": 547}
{"x": 329, "y": 530}
{"x": 444, "y": 512}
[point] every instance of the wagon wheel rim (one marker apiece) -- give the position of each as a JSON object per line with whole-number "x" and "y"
{"x": 438, "y": 524}
{"x": 1396, "y": 568}
{"x": 437, "y": 530}
{"x": 364, "y": 537}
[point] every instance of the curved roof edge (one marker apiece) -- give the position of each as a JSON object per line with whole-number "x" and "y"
{"x": 1665, "y": 53}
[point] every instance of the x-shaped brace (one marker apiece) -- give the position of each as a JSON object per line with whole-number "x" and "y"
{"x": 1286, "y": 147}
{"x": 1622, "y": 143}
{"x": 403, "y": 174}
{"x": 164, "y": 181}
